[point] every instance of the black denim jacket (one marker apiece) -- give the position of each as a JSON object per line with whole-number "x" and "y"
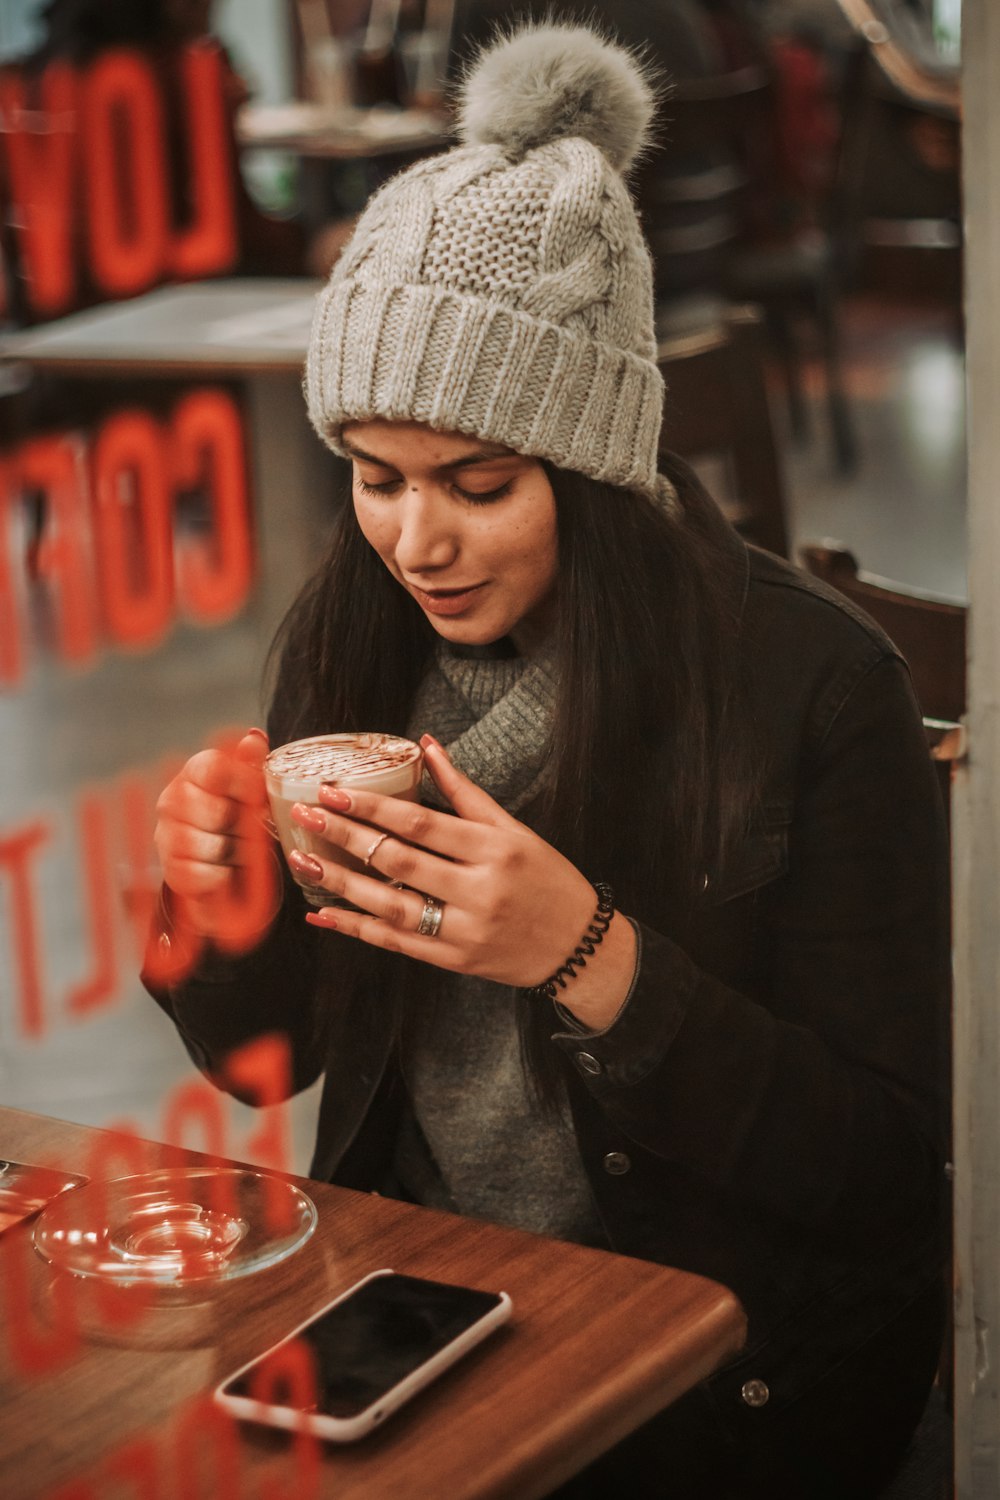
{"x": 770, "y": 1107}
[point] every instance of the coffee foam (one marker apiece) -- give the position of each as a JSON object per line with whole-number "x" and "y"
{"x": 327, "y": 761}
{"x": 384, "y": 762}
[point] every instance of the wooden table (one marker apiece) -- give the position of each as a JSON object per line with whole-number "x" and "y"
{"x": 598, "y": 1344}
{"x": 374, "y": 142}
{"x": 237, "y": 326}
{"x": 341, "y": 135}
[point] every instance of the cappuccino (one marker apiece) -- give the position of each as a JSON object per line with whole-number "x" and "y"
{"x": 295, "y": 772}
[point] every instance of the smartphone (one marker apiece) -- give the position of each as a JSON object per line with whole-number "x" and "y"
{"x": 340, "y": 1374}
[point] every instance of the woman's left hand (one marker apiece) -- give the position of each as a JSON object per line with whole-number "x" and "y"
{"x": 513, "y": 908}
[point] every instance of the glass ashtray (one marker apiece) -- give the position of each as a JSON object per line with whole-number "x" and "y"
{"x": 176, "y": 1226}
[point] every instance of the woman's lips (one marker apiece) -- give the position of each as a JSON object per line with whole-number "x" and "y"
{"x": 445, "y": 601}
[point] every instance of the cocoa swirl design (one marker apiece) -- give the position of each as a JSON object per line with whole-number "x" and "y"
{"x": 331, "y": 760}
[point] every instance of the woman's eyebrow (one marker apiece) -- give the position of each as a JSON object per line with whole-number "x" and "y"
{"x": 477, "y": 456}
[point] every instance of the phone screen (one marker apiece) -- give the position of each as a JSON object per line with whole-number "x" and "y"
{"x": 384, "y": 1330}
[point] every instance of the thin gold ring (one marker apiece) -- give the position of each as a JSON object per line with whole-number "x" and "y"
{"x": 372, "y": 847}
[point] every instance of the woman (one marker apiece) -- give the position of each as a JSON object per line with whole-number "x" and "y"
{"x": 747, "y": 1077}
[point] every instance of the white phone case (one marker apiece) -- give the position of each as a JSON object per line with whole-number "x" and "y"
{"x": 349, "y": 1429}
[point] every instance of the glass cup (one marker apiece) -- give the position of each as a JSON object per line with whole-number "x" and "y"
{"x": 382, "y": 763}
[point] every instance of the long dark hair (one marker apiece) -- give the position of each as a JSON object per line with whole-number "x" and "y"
{"x": 653, "y": 772}
{"x": 648, "y": 789}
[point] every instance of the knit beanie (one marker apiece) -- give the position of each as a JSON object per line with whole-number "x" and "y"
{"x": 503, "y": 288}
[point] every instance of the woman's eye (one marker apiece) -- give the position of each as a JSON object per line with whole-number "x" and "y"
{"x": 385, "y": 487}
{"x": 485, "y": 497}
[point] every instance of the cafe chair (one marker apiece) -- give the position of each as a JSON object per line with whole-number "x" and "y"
{"x": 798, "y": 283}
{"x": 703, "y": 194}
{"x": 900, "y": 178}
{"x": 717, "y": 409}
{"x": 930, "y": 632}
{"x": 690, "y": 184}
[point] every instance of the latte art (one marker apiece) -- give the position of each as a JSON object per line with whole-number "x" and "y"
{"x": 332, "y": 759}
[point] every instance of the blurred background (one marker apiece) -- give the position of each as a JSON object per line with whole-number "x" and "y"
{"x": 175, "y": 177}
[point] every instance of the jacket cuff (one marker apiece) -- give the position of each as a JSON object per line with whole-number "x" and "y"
{"x": 574, "y": 1024}
{"x": 638, "y": 1038}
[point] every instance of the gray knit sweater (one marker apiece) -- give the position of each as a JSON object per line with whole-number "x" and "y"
{"x": 476, "y": 1141}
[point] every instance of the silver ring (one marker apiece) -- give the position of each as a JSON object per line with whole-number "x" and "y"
{"x": 430, "y": 917}
{"x": 372, "y": 847}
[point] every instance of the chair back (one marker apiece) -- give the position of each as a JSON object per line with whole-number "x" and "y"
{"x": 899, "y": 183}
{"x": 717, "y": 407}
{"x": 930, "y": 633}
{"x": 691, "y": 186}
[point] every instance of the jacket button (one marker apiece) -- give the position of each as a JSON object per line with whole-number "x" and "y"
{"x": 755, "y": 1393}
{"x": 616, "y": 1164}
{"x": 587, "y": 1063}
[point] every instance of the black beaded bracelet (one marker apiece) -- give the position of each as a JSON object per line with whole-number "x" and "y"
{"x": 591, "y": 940}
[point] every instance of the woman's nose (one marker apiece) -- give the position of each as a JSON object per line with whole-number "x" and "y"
{"x": 426, "y": 535}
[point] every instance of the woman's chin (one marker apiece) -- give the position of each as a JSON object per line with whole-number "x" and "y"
{"x": 466, "y": 631}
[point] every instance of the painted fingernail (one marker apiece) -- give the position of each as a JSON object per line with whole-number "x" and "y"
{"x": 304, "y": 864}
{"x": 260, "y": 733}
{"x": 428, "y": 740}
{"x": 309, "y": 817}
{"x": 322, "y": 918}
{"x": 335, "y": 797}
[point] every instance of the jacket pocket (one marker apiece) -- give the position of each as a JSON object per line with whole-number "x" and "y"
{"x": 759, "y": 859}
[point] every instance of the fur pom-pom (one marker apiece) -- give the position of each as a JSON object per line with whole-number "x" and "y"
{"x": 544, "y": 82}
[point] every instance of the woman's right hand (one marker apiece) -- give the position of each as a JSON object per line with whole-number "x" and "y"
{"x": 217, "y": 858}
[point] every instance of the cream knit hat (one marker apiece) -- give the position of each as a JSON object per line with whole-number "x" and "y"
{"x": 503, "y": 289}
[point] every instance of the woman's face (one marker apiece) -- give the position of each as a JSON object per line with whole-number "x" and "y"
{"x": 467, "y": 527}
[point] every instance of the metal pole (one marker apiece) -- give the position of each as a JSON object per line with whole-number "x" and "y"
{"x": 976, "y": 819}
